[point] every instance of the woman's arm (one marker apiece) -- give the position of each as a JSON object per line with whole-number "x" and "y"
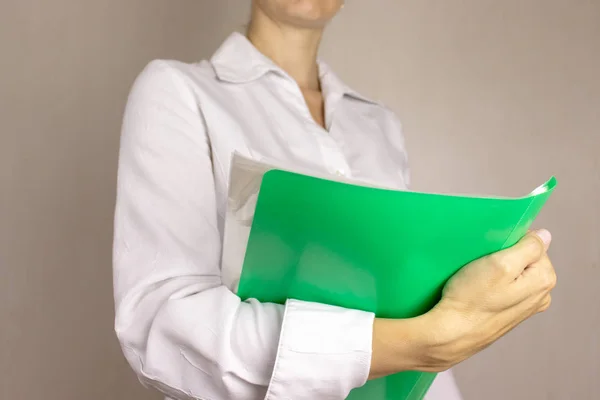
{"x": 182, "y": 331}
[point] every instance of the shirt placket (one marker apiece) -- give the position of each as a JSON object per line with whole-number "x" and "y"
{"x": 333, "y": 158}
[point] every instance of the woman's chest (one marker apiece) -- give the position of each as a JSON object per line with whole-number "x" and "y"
{"x": 274, "y": 125}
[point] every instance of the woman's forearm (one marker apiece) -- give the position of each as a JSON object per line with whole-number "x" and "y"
{"x": 406, "y": 345}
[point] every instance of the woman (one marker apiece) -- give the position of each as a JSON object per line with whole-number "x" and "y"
{"x": 267, "y": 96}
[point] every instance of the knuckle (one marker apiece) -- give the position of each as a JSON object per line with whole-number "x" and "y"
{"x": 550, "y": 279}
{"x": 536, "y": 246}
{"x": 501, "y": 263}
{"x": 546, "y": 303}
{"x": 553, "y": 281}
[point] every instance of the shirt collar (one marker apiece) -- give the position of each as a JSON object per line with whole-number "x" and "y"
{"x": 238, "y": 61}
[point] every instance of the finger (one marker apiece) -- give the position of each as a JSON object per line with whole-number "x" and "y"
{"x": 535, "y": 283}
{"x": 544, "y": 234}
{"x": 540, "y": 275}
{"x": 527, "y": 251}
{"x": 543, "y": 237}
{"x": 545, "y": 304}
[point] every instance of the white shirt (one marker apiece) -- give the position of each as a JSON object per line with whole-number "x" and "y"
{"x": 182, "y": 330}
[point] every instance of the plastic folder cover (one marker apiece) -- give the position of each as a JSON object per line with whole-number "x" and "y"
{"x": 379, "y": 250}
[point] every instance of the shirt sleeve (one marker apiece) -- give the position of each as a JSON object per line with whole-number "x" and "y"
{"x": 182, "y": 331}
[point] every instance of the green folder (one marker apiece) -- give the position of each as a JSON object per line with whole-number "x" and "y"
{"x": 384, "y": 251}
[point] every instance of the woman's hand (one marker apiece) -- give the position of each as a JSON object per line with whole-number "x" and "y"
{"x": 491, "y": 296}
{"x": 482, "y": 302}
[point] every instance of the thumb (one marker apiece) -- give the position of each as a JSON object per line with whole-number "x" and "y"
{"x": 526, "y": 252}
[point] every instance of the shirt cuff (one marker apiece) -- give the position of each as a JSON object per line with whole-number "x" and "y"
{"x": 324, "y": 352}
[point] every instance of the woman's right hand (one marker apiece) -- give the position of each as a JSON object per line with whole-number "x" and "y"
{"x": 482, "y": 302}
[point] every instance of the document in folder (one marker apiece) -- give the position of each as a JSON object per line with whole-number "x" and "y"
{"x": 295, "y": 234}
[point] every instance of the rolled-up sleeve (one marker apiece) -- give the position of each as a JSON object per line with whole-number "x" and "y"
{"x": 182, "y": 331}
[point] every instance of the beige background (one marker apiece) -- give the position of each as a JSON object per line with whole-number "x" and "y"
{"x": 495, "y": 97}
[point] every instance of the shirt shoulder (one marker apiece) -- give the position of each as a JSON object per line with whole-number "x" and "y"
{"x": 197, "y": 72}
{"x": 174, "y": 77}
{"x": 387, "y": 119}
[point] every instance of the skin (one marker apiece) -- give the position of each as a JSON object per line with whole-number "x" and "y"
{"x": 485, "y": 299}
{"x": 289, "y": 32}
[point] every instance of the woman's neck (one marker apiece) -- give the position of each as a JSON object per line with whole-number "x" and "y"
{"x": 293, "y": 49}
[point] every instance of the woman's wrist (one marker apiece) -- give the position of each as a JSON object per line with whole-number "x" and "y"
{"x": 417, "y": 344}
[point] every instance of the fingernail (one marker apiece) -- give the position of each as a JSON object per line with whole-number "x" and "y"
{"x": 545, "y": 236}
